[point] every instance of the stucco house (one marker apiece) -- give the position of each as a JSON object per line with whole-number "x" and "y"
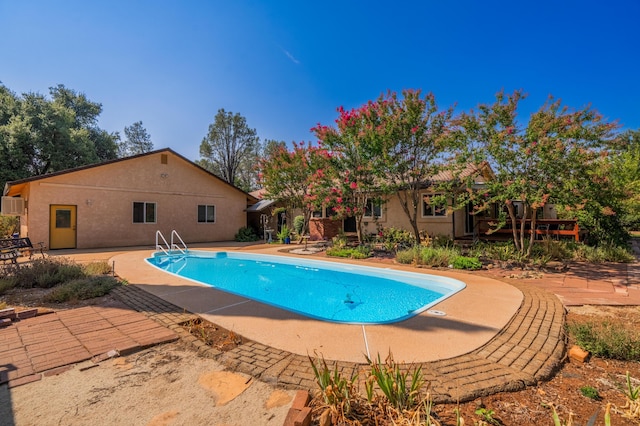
{"x": 124, "y": 202}
{"x": 433, "y": 220}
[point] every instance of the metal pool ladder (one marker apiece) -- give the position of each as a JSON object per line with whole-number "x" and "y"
{"x": 169, "y": 248}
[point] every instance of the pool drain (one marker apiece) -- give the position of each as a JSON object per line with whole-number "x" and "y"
{"x": 436, "y": 312}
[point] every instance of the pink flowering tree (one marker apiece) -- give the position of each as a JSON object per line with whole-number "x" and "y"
{"x": 415, "y": 148}
{"x": 554, "y": 158}
{"x": 289, "y": 176}
{"x": 351, "y": 181}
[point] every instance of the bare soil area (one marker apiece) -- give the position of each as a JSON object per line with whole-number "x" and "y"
{"x": 172, "y": 385}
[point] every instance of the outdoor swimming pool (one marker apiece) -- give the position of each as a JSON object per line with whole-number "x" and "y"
{"x": 318, "y": 289}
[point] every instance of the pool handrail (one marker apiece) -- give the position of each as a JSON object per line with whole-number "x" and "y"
{"x": 170, "y": 247}
{"x": 182, "y": 249}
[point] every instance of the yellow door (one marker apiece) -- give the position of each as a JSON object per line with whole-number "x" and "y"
{"x": 62, "y": 227}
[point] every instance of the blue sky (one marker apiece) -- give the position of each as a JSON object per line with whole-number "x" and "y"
{"x": 287, "y": 65}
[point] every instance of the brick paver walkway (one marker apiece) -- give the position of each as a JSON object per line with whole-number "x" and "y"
{"x": 530, "y": 348}
{"x": 49, "y": 343}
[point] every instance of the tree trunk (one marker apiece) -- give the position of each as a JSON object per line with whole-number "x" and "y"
{"x": 514, "y": 224}
{"x": 412, "y": 214}
{"x": 532, "y": 237}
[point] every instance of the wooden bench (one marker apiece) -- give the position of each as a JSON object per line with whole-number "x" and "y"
{"x": 544, "y": 228}
{"x": 9, "y": 255}
{"x": 22, "y": 246}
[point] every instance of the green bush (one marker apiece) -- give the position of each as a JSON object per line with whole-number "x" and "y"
{"x": 339, "y": 241}
{"x": 8, "y": 225}
{"x": 606, "y": 340}
{"x": 82, "y": 289}
{"x": 603, "y": 253}
{"x": 97, "y": 268}
{"x": 283, "y": 234}
{"x": 408, "y": 256}
{"x": 437, "y": 257}
{"x": 360, "y": 252}
{"x": 463, "y": 262}
{"x": 298, "y": 224}
{"x": 46, "y": 273}
{"x": 7, "y": 283}
{"x": 442, "y": 241}
{"x": 246, "y": 234}
{"x": 394, "y": 238}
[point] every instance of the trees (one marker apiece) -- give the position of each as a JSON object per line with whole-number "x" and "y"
{"x": 137, "y": 141}
{"x": 40, "y": 135}
{"x": 231, "y": 150}
{"x": 289, "y": 177}
{"x": 388, "y": 146}
{"x": 552, "y": 159}
{"x": 353, "y": 148}
{"x": 414, "y": 144}
{"x": 625, "y": 174}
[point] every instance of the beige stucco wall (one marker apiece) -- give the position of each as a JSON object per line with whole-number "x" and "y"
{"x": 393, "y": 216}
{"x": 104, "y": 197}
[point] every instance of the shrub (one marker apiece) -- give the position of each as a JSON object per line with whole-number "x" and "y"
{"x": 246, "y": 234}
{"x": 283, "y": 234}
{"x": 82, "y": 289}
{"x": 46, "y": 273}
{"x": 8, "y": 225}
{"x": 97, "y": 268}
{"x": 394, "y": 238}
{"x": 360, "y": 252}
{"x": 298, "y": 224}
{"x": 463, "y": 262}
{"x": 442, "y": 241}
{"x": 408, "y": 256}
{"x": 603, "y": 253}
{"x": 590, "y": 392}
{"x": 438, "y": 256}
{"x": 606, "y": 340}
{"x": 6, "y": 284}
{"x": 339, "y": 241}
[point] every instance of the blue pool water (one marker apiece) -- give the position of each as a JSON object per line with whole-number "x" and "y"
{"x": 317, "y": 289}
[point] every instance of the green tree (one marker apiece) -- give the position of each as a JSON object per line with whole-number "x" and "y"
{"x": 231, "y": 150}
{"x": 350, "y": 182}
{"x": 625, "y": 173}
{"x": 414, "y": 138}
{"x": 554, "y": 158}
{"x": 289, "y": 176}
{"x": 137, "y": 141}
{"x": 40, "y": 135}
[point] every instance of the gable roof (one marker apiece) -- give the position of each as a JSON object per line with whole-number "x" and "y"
{"x": 14, "y": 187}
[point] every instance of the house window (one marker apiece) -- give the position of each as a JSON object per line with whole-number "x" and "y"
{"x": 432, "y": 207}
{"x": 206, "y": 214}
{"x": 373, "y": 209}
{"x": 144, "y": 212}
{"x": 317, "y": 213}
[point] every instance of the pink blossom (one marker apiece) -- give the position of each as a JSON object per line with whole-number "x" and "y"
{"x": 339, "y": 200}
{"x": 353, "y": 185}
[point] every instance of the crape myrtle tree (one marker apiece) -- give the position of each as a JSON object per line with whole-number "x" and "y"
{"x": 415, "y": 142}
{"x": 387, "y": 146}
{"x": 554, "y": 158}
{"x": 353, "y": 149}
{"x": 289, "y": 176}
{"x": 231, "y": 150}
